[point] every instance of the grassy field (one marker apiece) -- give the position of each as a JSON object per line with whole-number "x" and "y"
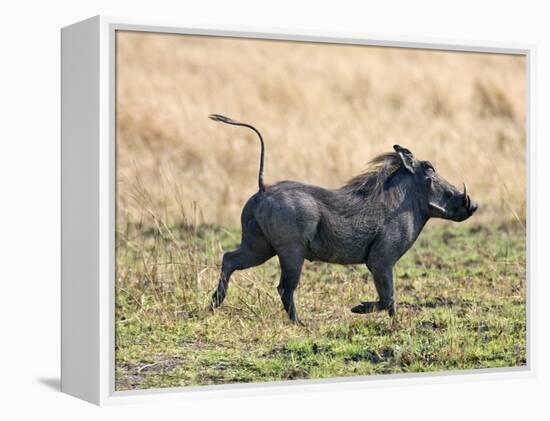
{"x": 325, "y": 111}
{"x": 460, "y": 293}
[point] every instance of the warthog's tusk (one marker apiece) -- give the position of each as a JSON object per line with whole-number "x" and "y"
{"x": 466, "y": 196}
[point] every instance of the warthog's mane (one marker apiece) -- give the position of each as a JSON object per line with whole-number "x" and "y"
{"x": 374, "y": 177}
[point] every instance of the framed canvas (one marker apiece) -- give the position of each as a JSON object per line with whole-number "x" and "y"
{"x": 246, "y": 209}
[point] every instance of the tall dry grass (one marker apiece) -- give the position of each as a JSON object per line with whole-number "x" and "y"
{"x": 324, "y": 110}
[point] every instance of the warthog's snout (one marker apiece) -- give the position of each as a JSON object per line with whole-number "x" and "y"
{"x": 468, "y": 203}
{"x": 457, "y": 207}
{"x": 467, "y": 206}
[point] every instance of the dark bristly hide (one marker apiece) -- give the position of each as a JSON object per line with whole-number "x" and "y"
{"x": 373, "y": 219}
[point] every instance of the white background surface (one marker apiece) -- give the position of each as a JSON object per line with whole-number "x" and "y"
{"x": 30, "y": 162}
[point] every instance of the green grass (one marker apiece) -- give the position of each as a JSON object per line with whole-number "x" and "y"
{"x": 460, "y": 305}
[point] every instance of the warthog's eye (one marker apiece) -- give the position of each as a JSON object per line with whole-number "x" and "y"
{"x": 427, "y": 166}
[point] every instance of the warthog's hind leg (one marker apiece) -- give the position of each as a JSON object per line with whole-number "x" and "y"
{"x": 291, "y": 268}
{"x": 242, "y": 258}
{"x": 253, "y": 251}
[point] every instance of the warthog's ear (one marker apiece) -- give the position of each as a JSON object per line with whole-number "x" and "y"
{"x": 407, "y": 158}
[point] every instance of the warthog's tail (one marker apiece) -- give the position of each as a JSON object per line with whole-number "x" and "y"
{"x": 227, "y": 120}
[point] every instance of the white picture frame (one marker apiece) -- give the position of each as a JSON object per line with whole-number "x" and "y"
{"x": 88, "y": 211}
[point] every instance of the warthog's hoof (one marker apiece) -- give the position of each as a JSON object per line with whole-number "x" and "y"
{"x": 366, "y": 307}
{"x": 298, "y": 322}
{"x": 372, "y": 306}
{"x": 213, "y": 305}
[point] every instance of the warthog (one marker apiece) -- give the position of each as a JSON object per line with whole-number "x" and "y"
{"x": 373, "y": 219}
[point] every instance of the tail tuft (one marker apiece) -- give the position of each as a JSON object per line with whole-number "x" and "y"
{"x": 222, "y": 118}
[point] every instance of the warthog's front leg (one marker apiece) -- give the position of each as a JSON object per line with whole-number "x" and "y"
{"x": 383, "y": 280}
